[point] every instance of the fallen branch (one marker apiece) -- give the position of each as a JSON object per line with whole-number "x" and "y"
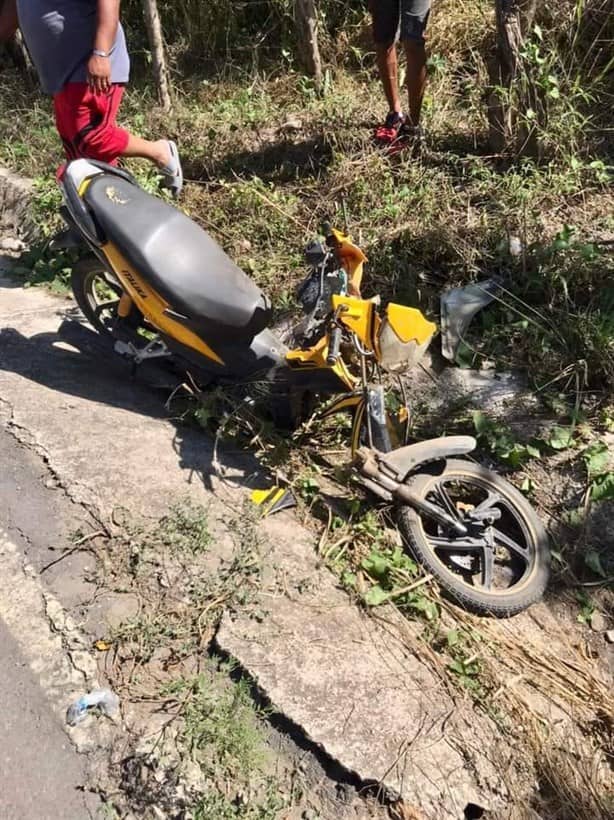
{"x": 77, "y": 547}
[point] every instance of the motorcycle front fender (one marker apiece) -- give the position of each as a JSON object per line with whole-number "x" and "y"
{"x": 408, "y": 459}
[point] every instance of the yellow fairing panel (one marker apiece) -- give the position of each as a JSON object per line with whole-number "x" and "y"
{"x": 353, "y": 260}
{"x": 357, "y": 317}
{"x": 315, "y": 357}
{"x": 152, "y": 306}
{"x": 409, "y": 323}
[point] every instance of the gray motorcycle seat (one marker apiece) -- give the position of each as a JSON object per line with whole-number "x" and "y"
{"x": 178, "y": 259}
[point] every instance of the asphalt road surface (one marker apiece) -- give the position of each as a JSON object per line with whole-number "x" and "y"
{"x": 41, "y": 774}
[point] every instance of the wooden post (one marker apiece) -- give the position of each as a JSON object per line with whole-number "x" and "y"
{"x": 307, "y": 33}
{"x": 158, "y": 55}
{"x": 505, "y": 99}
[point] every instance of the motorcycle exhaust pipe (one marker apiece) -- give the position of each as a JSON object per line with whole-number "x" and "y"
{"x": 377, "y": 480}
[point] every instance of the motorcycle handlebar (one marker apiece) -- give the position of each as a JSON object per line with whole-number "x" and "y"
{"x": 334, "y": 344}
{"x": 329, "y": 235}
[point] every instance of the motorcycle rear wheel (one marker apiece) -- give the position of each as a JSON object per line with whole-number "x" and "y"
{"x": 97, "y": 292}
{"x": 501, "y": 567}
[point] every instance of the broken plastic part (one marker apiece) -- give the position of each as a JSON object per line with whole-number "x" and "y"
{"x": 273, "y": 500}
{"x": 102, "y": 645}
{"x": 106, "y": 700}
{"x": 458, "y": 307}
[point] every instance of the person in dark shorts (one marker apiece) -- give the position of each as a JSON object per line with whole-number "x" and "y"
{"x": 405, "y": 20}
{"x": 79, "y": 51}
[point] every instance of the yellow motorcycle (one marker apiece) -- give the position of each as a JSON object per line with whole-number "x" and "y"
{"x": 158, "y": 287}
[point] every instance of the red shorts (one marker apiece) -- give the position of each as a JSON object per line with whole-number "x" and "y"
{"x": 86, "y": 122}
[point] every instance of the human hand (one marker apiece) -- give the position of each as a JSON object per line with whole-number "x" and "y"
{"x": 99, "y": 74}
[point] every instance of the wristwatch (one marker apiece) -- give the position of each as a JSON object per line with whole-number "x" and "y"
{"x": 99, "y": 53}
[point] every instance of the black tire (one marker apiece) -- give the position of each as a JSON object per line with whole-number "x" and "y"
{"x": 527, "y": 564}
{"x": 290, "y": 406}
{"x": 86, "y": 279}
{"x": 83, "y": 280}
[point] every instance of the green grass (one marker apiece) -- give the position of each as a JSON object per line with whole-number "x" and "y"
{"x": 220, "y": 724}
{"x": 224, "y": 733}
{"x": 426, "y": 222}
{"x": 186, "y": 528}
{"x": 162, "y": 651}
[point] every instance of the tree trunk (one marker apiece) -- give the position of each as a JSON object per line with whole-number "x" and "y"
{"x": 307, "y": 31}
{"x": 17, "y": 55}
{"x": 158, "y": 56}
{"x": 506, "y": 98}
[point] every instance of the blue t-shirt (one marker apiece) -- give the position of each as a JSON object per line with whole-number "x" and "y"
{"x": 60, "y": 38}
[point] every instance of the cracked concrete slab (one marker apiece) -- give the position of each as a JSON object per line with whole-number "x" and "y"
{"x": 356, "y": 692}
{"x": 17, "y": 220}
{"x": 374, "y": 708}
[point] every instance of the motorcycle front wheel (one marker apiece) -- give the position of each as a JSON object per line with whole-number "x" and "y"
{"x": 501, "y": 566}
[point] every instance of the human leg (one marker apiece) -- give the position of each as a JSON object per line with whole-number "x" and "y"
{"x": 385, "y": 15}
{"x": 414, "y": 17}
{"x": 165, "y": 155}
{"x": 156, "y": 151}
{"x": 86, "y": 122}
{"x": 388, "y": 68}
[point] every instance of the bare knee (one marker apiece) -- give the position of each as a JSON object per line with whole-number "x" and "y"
{"x": 385, "y": 49}
{"x": 414, "y": 49}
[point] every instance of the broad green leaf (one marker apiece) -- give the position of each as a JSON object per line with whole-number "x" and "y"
{"x": 515, "y": 456}
{"x": 377, "y": 565}
{"x": 589, "y": 252}
{"x": 472, "y": 668}
{"x": 402, "y": 560}
{"x": 376, "y": 596}
{"x": 533, "y": 451}
{"x": 602, "y": 487}
{"x": 560, "y": 244}
{"x": 452, "y": 637}
{"x": 428, "y": 608}
{"x": 481, "y": 422}
{"x": 592, "y": 559}
{"x": 587, "y": 607}
{"x": 574, "y": 517}
{"x": 457, "y": 667}
{"x": 397, "y": 557}
{"x": 560, "y": 438}
{"x": 596, "y": 457}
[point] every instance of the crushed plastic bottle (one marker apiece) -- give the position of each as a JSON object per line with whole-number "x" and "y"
{"x": 106, "y": 700}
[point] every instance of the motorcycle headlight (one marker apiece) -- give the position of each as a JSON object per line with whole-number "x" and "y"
{"x": 403, "y": 338}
